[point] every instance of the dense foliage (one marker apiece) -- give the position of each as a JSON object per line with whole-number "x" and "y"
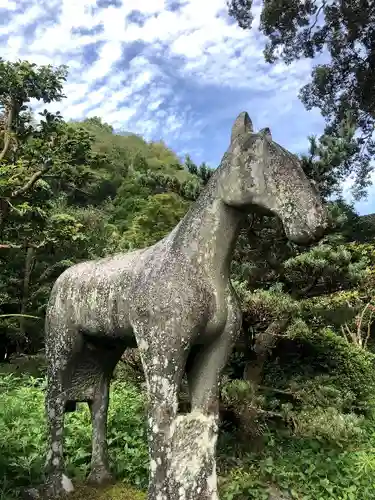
{"x": 24, "y": 434}
{"x": 307, "y": 467}
{"x": 300, "y": 385}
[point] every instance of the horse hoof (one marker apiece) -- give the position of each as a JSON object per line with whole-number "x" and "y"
{"x": 58, "y": 486}
{"x": 31, "y": 494}
{"x": 100, "y": 477}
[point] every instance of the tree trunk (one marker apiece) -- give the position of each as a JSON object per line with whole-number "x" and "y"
{"x": 29, "y": 260}
{"x": 8, "y": 129}
{"x": 264, "y": 344}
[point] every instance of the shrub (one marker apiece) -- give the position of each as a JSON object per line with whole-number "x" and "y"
{"x": 315, "y": 353}
{"x": 244, "y": 484}
{"x": 305, "y": 469}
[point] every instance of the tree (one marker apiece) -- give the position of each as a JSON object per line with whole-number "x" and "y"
{"x": 70, "y": 192}
{"x": 306, "y": 313}
{"x": 328, "y": 161}
{"x": 19, "y": 83}
{"x": 343, "y": 88}
{"x": 41, "y": 161}
{"x": 190, "y": 165}
{"x": 159, "y": 215}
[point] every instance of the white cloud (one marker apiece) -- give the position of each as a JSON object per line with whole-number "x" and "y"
{"x": 109, "y": 54}
{"x": 214, "y": 52}
{"x": 160, "y": 77}
{"x": 366, "y": 205}
{"x": 8, "y": 5}
{"x": 29, "y": 16}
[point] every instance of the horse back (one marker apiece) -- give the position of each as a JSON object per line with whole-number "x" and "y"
{"x": 93, "y": 296}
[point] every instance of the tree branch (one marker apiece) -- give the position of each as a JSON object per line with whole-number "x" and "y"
{"x": 264, "y": 343}
{"x": 8, "y": 246}
{"x": 301, "y": 293}
{"x": 29, "y": 258}
{"x": 316, "y": 17}
{"x": 33, "y": 179}
{"x": 18, "y": 316}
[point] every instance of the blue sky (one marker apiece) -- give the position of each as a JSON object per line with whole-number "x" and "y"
{"x": 176, "y": 70}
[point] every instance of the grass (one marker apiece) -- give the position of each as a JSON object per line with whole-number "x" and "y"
{"x": 116, "y": 492}
{"x": 23, "y": 435}
{"x": 305, "y": 468}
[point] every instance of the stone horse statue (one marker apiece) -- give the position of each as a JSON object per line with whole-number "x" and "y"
{"x": 174, "y": 300}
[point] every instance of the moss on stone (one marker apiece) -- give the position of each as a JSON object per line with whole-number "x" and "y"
{"x": 119, "y": 491}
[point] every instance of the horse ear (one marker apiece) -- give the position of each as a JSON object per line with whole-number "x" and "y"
{"x": 266, "y": 132}
{"x": 242, "y": 125}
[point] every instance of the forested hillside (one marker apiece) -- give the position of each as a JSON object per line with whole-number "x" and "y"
{"x": 299, "y": 392}
{"x": 74, "y": 191}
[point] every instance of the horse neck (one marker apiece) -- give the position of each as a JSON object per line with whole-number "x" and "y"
{"x": 208, "y": 233}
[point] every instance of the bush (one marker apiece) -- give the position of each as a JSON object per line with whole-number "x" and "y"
{"x": 244, "y": 484}
{"x": 308, "y": 354}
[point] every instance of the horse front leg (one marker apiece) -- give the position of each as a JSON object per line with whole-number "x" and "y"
{"x": 200, "y": 428}
{"x": 163, "y": 368}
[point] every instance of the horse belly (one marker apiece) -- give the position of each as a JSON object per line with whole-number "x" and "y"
{"x": 216, "y": 324}
{"x": 105, "y": 311}
{"x": 92, "y": 301}
{"x": 222, "y": 304}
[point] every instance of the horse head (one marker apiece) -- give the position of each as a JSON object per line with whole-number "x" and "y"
{"x": 258, "y": 174}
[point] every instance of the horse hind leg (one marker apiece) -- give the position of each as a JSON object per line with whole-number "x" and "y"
{"x": 80, "y": 369}
{"x": 57, "y": 482}
{"x": 98, "y": 360}
{"x": 61, "y": 343}
{"x": 100, "y": 471}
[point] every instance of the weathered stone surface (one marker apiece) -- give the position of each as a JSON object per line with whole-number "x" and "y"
{"x": 176, "y": 302}
{"x": 31, "y": 494}
{"x": 192, "y": 468}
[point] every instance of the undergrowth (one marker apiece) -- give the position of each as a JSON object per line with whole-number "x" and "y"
{"x": 23, "y": 435}
{"x": 303, "y": 467}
